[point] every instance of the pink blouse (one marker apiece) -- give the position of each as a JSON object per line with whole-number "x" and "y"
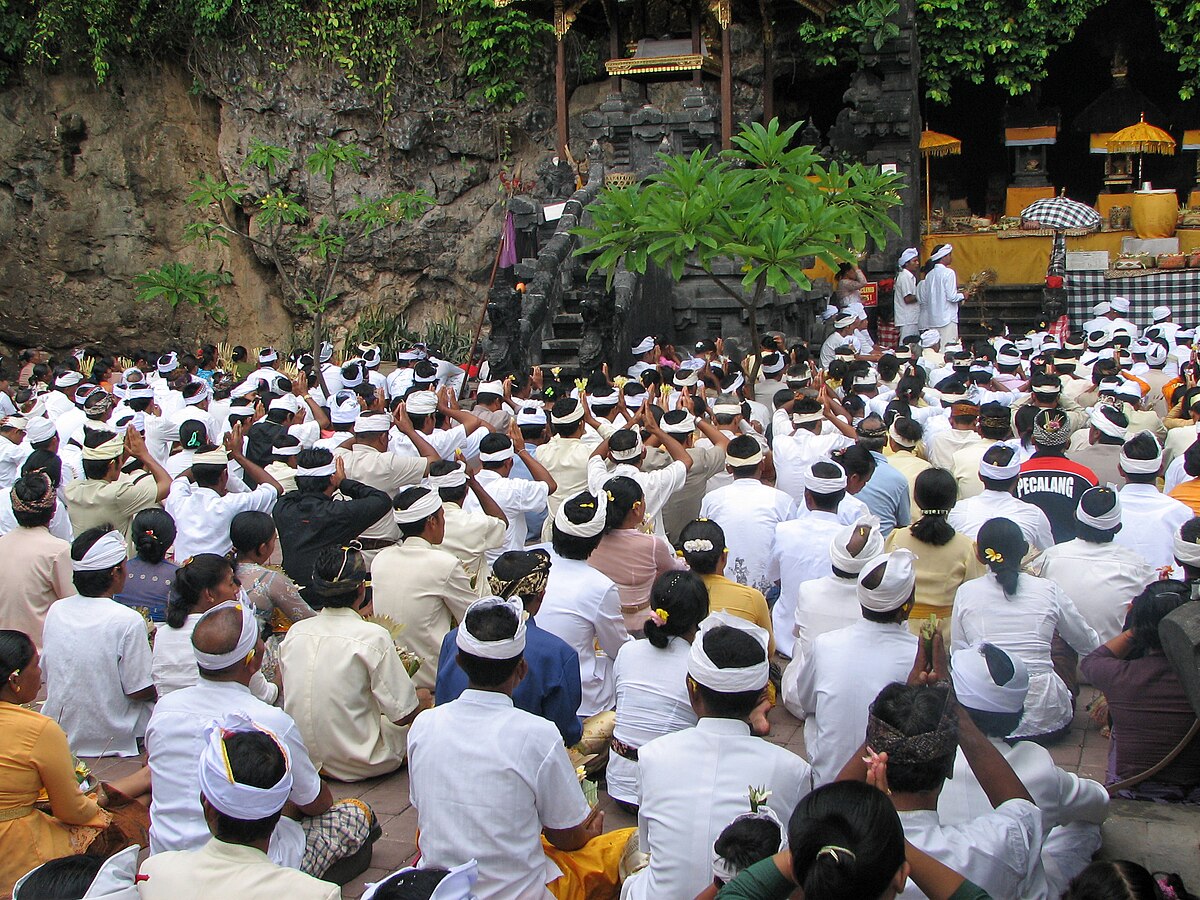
{"x": 633, "y": 559}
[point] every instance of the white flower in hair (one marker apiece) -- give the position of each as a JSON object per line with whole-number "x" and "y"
{"x": 698, "y": 546}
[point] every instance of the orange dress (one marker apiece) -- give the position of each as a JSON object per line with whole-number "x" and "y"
{"x": 35, "y": 757}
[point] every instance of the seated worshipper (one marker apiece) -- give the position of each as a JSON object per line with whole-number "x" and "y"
{"x": 1146, "y": 701}
{"x": 506, "y": 766}
{"x": 97, "y": 654}
{"x": 310, "y": 519}
{"x": 44, "y": 813}
{"x": 1049, "y": 480}
{"x": 841, "y": 676}
{"x": 627, "y": 453}
{"x": 677, "y": 824}
{"x": 418, "y": 584}
{"x": 945, "y": 559}
{"x": 651, "y": 680}
{"x": 203, "y": 511}
{"x": 886, "y": 493}
{"x": 748, "y": 511}
{"x": 150, "y": 573}
{"x": 629, "y": 556}
{"x": 349, "y": 691}
{"x": 203, "y": 582}
{"x": 582, "y": 605}
{"x": 750, "y": 838}
{"x": 245, "y": 779}
{"x": 88, "y": 875}
{"x": 990, "y": 686}
{"x": 846, "y": 840}
{"x": 284, "y": 452}
{"x": 704, "y": 551}
{"x": 1149, "y": 519}
{"x": 229, "y": 652}
{"x": 469, "y": 534}
{"x": 1107, "y": 427}
{"x": 995, "y": 424}
{"x": 107, "y": 496}
{"x": 1020, "y": 613}
{"x": 998, "y": 471}
{"x": 411, "y": 883}
{"x": 941, "y": 446}
{"x": 369, "y": 461}
{"x": 1099, "y": 575}
{"x": 903, "y": 436}
{"x": 41, "y": 570}
{"x": 793, "y": 451}
{"x": 48, "y": 463}
{"x": 920, "y": 727}
{"x": 276, "y": 598}
{"x": 517, "y": 497}
{"x": 707, "y": 460}
{"x": 566, "y": 454}
{"x": 551, "y": 687}
{"x": 1188, "y": 492}
{"x": 800, "y": 550}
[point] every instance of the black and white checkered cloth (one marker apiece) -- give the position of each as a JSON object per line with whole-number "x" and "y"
{"x": 1061, "y": 213}
{"x": 1178, "y": 289}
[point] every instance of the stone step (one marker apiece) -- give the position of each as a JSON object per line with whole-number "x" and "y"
{"x": 1160, "y": 836}
{"x": 568, "y": 325}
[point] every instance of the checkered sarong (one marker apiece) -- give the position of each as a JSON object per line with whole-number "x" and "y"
{"x": 335, "y": 834}
{"x": 1178, "y": 289}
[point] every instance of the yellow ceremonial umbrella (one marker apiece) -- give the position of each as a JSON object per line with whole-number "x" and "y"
{"x": 934, "y": 143}
{"x": 1139, "y": 138}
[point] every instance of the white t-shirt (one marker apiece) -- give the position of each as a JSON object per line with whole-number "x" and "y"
{"x": 748, "y": 511}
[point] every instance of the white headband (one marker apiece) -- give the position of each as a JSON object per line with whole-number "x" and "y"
{"x": 1186, "y": 551}
{"x": 808, "y": 418}
{"x": 107, "y": 552}
{"x": 632, "y": 453}
{"x": 1102, "y": 423}
{"x": 502, "y": 649}
{"x": 345, "y": 410}
{"x": 894, "y": 588}
{"x": 267, "y": 354}
{"x": 289, "y": 450}
{"x": 930, "y": 336}
{"x": 727, "y": 409}
{"x": 247, "y": 640}
{"x": 116, "y": 879}
{"x": 491, "y": 387}
{"x": 330, "y": 468}
{"x": 372, "y": 423}
{"x": 455, "y": 886}
{"x": 1000, "y": 473}
{"x": 588, "y": 529}
{"x": 531, "y": 415}
{"x": 452, "y": 479}
{"x": 39, "y": 429}
{"x": 941, "y": 253}
{"x": 110, "y": 449}
{"x": 645, "y": 345}
{"x": 499, "y": 456}
{"x": 897, "y": 439}
{"x": 567, "y": 418}
{"x": 1142, "y": 466}
{"x": 223, "y": 791}
{"x": 423, "y": 508}
{"x": 604, "y": 401}
{"x": 820, "y": 485}
{"x": 1106, "y": 522}
{"x": 421, "y": 403}
{"x": 728, "y": 681}
{"x": 218, "y": 456}
{"x": 975, "y": 688}
{"x": 684, "y": 426}
{"x": 777, "y": 366}
{"x": 738, "y": 380}
{"x": 840, "y": 557}
{"x": 738, "y": 462}
{"x": 197, "y": 398}
{"x": 67, "y": 379}
{"x": 288, "y": 403}
{"x": 908, "y": 256}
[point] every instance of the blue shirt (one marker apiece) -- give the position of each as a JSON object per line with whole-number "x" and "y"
{"x": 550, "y": 689}
{"x": 886, "y": 495}
{"x": 147, "y": 587}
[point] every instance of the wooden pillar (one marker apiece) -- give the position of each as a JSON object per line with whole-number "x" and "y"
{"x": 726, "y": 91}
{"x": 697, "y": 76}
{"x": 560, "y": 84}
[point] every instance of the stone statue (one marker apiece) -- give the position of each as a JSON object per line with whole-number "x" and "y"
{"x": 504, "y": 346}
{"x": 555, "y": 180}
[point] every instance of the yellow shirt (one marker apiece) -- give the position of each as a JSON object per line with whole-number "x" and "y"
{"x": 740, "y": 600}
{"x": 940, "y": 571}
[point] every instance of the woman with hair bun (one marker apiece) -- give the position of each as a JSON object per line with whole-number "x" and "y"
{"x": 651, "y": 679}
{"x": 148, "y": 585}
{"x": 702, "y": 544}
{"x": 1020, "y": 614}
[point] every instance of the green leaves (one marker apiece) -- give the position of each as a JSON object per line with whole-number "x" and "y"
{"x": 332, "y": 155}
{"x": 270, "y": 158}
{"x": 765, "y": 206}
{"x": 176, "y": 283}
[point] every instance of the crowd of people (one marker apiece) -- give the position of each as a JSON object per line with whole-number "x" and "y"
{"x": 261, "y": 577}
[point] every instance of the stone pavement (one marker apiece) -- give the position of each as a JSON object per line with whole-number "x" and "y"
{"x": 1084, "y": 751}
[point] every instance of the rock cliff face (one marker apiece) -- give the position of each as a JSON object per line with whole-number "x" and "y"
{"x": 93, "y": 181}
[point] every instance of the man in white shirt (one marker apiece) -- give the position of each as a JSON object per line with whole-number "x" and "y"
{"x": 96, "y": 654}
{"x": 241, "y": 815}
{"x": 13, "y": 449}
{"x": 645, "y": 357}
{"x": 1149, "y": 519}
{"x": 905, "y": 306}
{"x": 991, "y": 686}
{"x": 677, "y": 823}
{"x": 229, "y": 651}
{"x": 684, "y": 505}
{"x": 800, "y": 550}
{"x": 998, "y": 472}
{"x": 417, "y": 583}
{"x": 469, "y": 534}
{"x": 748, "y": 511}
{"x": 625, "y": 450}
{"x": 202, "y": 513}
{"x": 515, "y": 496}
{"x": 425, "y": 409}
{"x": 582, "y": 605}
{"x": 942, "y": 296}
{"x": 847, "y": 668}
{"x": 804, "y": 431}
{"x": 843, "y": 329}
{"x": 509, "y": 778}
{"x": 942, "y": 446}
{"x": 1099, "y": 575}
{"x": 565, "y": 456}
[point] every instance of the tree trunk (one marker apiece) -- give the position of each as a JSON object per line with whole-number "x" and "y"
{"x": 316, "y": 354}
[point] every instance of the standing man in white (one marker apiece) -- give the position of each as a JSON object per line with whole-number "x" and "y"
{"x": 906, "y": 309}
{"x": 942, "y": 296}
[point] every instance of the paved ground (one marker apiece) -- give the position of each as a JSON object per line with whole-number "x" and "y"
{"x": 1084, "y": 751}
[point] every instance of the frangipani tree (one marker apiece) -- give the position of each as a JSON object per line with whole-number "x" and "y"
{"x": 766, "y": 205}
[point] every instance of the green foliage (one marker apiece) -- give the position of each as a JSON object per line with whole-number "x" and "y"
{"x": 176, "y": 283}
{"x": 491, "y": 40}
{"x": 392, "y": 332}
{"x": 1006, "y": 42}
{"x": 765, "y": 205}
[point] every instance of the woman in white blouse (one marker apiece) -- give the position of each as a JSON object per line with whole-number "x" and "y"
{"x": 651, "y": 679}
{"x": 1019, "y": 613}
